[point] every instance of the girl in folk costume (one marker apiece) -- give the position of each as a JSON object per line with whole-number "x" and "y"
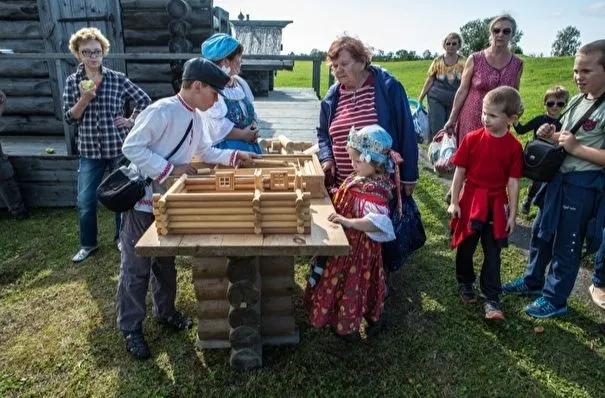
{"x": 353, "y": 287}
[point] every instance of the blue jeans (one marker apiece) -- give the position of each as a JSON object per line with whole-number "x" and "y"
{"x": 563, "y": 250}
{"x": 598, "y": 277}
{"x": 90, "y": 174}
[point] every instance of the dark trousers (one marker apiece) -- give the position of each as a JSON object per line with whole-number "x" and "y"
{"x": 563, "y": 250}
{"x": 135, "y": 274}
{"x": 490, "y": 270}
{"x": 9, "y": 190}
{"x": 533, "y": 191}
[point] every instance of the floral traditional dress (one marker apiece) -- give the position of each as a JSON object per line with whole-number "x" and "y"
{"x": 353, "y": 287}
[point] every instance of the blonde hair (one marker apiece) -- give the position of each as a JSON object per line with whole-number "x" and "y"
{"x": 86, "y": 34}
{"x": 452, "y": 35}
{"x": 504, "y": 17}
{"x": 507, "y": 97}
{"x": 597, "y": 46}
{"x": 559, "y": 92}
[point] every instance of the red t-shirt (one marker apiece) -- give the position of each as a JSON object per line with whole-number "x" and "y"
{"x": 490, "y": 161}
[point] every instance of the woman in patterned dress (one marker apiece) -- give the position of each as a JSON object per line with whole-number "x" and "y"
{"x": 485, "y": 70}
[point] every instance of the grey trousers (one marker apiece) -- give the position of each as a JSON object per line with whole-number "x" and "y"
{"x": 438, "y": 114}
{"x": 9, "y": 190}
{"x": 135, "y": 273}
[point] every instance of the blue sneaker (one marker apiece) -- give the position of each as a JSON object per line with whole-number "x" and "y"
{"x": 518, "y": 287}
{"x": 542, "y": 308}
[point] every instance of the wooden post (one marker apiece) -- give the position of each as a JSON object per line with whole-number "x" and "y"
{"x": 245, "y": 313}
{"x": 317, "y": 76}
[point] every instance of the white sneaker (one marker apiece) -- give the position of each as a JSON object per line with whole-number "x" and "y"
{"x": 598, "y": 295}
{"x": 83, "y": 254}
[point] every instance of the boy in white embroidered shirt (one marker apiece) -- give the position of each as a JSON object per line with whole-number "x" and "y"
{"x": 157, "y": 131}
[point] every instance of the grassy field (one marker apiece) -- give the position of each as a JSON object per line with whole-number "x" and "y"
{"x": 58, "y": 335}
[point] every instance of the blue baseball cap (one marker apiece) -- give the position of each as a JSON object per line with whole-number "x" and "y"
{"x": 219, "y": 46}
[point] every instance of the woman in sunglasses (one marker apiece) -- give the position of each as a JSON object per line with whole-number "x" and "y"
{"x": 442, "y": 82}
{"x": 555, "y": 100}
{"x": 93, "y": 100}
{"x": 485, "y": 70}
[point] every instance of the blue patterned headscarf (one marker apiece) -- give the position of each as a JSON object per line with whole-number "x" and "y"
{"x": 374, "y": 144}
{"x": 219, "y": 46}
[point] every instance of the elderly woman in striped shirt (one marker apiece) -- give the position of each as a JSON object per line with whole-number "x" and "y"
{"x": 364, "y": 95}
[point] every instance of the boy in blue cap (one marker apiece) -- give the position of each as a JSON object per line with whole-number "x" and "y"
{"x": 232, "y": 119}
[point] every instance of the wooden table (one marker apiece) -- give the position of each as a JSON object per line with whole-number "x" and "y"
{"x": 244, "y": 283}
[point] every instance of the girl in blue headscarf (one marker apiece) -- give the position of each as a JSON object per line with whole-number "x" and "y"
{"x": 353, "y": 288}
{"x": 232, "y": 119}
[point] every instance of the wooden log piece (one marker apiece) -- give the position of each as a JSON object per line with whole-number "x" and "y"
{"x": 241, "y": 269}
{"x": 205, "y": 205}
{"x": 276, "y": 306}
{"x": 224, "y": 225}
{"x": 19, "y": 10}
{"x": 242, "y": 292}
{"x": 276, "y": 266}
{"x": 178, "y": 8}
{"x": 216, "y": 197}
{"x": 207, "y": 309}
{"x": 277, "y": 286}
{"x": 243, "y": 337}
{"x": 179, "y": 27}
{"x": 244, "y": 316}
{"x": 180, "y": 45}
{"x": 208, "y": 267}
{"x": 212, "y": 218}
{"x": 277, "y": 325}
{"x": 256, "y": 163}
{"x": 312, "y": 150}
{"x": 213, "y": 329}
{"x": 286, "y": 143}
{"x": 235, "y": 231}
{"x": 246, "y": 359}
{"x": 211, "y": 288}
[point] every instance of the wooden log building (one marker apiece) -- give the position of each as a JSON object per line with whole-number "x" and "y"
{"x": 34, "y": 116}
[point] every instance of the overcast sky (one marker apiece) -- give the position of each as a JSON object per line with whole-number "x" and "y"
{"x": 391, "y": 25}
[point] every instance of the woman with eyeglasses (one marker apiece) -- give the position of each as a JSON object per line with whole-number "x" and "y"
{"x": 485, "y": 70}
{"x": 442, "y": 82}
{"x": 93, "y": 100}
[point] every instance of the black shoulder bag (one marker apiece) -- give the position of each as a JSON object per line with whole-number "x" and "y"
{"x": 120, "y": 191}
{"x": 543, "y": 158}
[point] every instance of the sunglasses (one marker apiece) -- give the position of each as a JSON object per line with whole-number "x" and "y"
{"x": 89, "y": 53}
{"x": 560, "y": 104}
{"x": 451, "y": 44}
{"x": 505, "y": 31}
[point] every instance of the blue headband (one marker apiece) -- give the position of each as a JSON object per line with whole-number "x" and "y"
{"x": 219, "y": 46}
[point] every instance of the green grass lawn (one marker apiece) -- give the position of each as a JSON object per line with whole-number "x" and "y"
{"x": 58, "y": 334}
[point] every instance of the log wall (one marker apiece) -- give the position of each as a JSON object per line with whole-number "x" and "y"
{"x": 30, "y": 106}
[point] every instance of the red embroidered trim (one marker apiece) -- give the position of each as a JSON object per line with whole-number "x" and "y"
{"x": 190, "y": 109}
{"x": 164, "y": 173}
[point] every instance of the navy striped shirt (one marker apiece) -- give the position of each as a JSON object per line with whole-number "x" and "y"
{"x": 98, "y": 137}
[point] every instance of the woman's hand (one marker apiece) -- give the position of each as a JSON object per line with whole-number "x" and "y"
{"x": 122, "y": 122}
{"x": 249, "y": 134}
{"x": 449, "y": 127}
{"x": 87, "y": 94}
{"x": 329, "y": 167}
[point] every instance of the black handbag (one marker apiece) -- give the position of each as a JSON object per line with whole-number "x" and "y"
{"x": 542, "y": 159}
{"x": 121, "y": 190}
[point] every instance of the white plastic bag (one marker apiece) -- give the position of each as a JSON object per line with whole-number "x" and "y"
{"x": 421, "y": 120}
{"x": 443, "y": 165}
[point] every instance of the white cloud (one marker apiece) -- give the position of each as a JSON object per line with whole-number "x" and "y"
{"x": 596, "y": 9}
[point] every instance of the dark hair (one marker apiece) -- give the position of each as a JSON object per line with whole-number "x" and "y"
{"x": 359, "y": 52}
{"x": 597, "y": 46}
{"x": 507, "y": 97}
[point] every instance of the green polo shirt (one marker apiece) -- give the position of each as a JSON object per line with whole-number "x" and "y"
{"x": 592, "y": 133}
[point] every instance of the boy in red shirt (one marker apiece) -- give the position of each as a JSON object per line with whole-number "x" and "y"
{"x": 485, "y": 191}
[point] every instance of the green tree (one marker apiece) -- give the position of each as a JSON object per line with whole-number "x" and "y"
{"x": 567, "y": 42}
{"x": 475, "y": 37}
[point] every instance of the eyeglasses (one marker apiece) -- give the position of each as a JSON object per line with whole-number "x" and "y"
{"x": 89, "y": 53}
{"x": 560, "y": 104}
{"x": 505, "y": 31}
{"x": 451, "y": 44}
